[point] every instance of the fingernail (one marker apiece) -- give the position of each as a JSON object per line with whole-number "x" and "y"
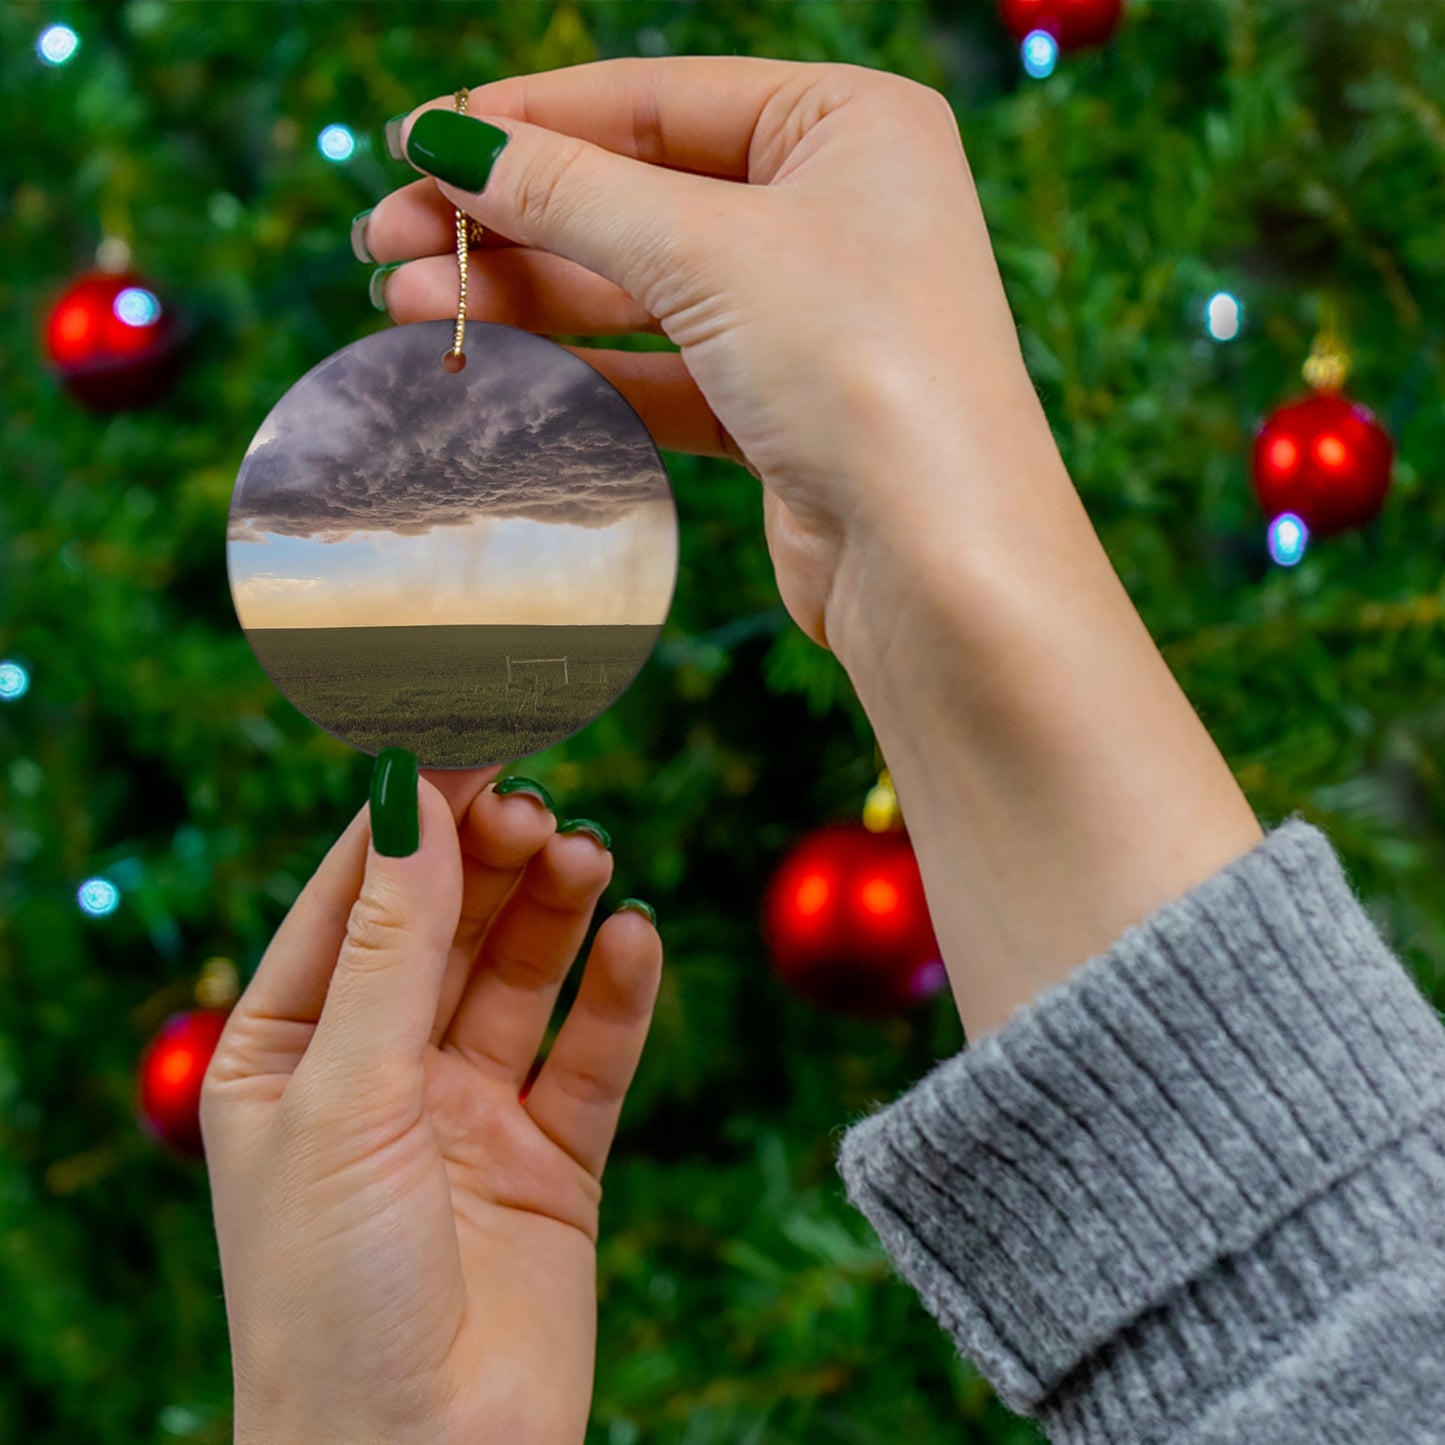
{"x": 636, "y": 905}
{"x": 359, "y": 248}
{"x": 376, "y": 287}
{"x": 526, "y": 785}
{"x": 586, "y": 825}
{"x": 395, "y": 821}
{"x": 393, "y": 136}
{"x": 455, "y": 148}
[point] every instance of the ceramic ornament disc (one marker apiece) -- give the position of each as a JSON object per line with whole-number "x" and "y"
{"x": 472, "y": 565}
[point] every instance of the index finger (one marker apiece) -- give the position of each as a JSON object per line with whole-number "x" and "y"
{"x": 686, "y": 112}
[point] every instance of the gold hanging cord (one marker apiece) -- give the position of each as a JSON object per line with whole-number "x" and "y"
{"x": 468, "y": 230}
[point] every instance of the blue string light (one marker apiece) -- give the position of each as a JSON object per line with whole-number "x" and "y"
{"x": 57, "y": 44}
{"x": 1288, "y": 537}
{"x": 98, "y": 897}
{"x": 14, "y": 681}
{"x": 137, "y": 307}
{"x": 1040, "y": 53}
{"x": 336, "y": 143}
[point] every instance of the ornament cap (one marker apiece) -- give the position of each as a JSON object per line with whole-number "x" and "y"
{"x": 113, "y": 254}
{"x": 881, "y": 812}
{"x": 1328, "y": 365}
{"x": 218, "y": 986}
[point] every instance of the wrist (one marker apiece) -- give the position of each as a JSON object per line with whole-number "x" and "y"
{"x": 949, "y": 470}
{"x": 1057, "y": 784}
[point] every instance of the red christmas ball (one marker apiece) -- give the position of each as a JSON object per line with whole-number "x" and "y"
{"x": 847, "y": 924}
{"x": 171, "y": 1072}
{"x": 1324, "y": 458}
{"x": 1073, "y": 23}
{"x": 112, "y": 341}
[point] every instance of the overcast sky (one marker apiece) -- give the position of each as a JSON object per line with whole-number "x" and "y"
{"x": 383, "y": 491}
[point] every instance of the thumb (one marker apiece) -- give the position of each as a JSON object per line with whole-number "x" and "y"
{"x": 633, "y": 223}
{"x": 382, "y": 999}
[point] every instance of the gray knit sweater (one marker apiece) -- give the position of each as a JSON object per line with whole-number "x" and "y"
{"x": 1196, "y": 1192}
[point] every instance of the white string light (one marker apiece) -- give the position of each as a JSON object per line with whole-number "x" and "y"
{"x": 1040, "y": 52}
{"x": 98, "y": 897}
{"x": 14, "y": 681}
{"x": 57, "y": 44}
{"x": 336, "y": 143}
{"x": 1288, "y": 538}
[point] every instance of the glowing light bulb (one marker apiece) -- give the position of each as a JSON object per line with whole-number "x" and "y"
{"x": 14, "y": 681}
{"x": 137, "y": 307}
{"x": 98, "y": 897}
{"x": 336, "y": 143}
{"x": 57, "y": 44}
{"x": 1223, "y": 316}
{"x": 1288, "y": 537}
{"x": 1331, "y": 451}
{"x": 1040, "y": 53}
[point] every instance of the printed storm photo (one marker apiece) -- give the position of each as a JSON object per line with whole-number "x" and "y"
{"x": 473, "y": 565}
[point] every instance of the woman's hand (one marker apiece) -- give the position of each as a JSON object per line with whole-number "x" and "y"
{"x": 829, "y": 313}
{"x": 810, "y": 237}
{"x": 408, "y": 1246}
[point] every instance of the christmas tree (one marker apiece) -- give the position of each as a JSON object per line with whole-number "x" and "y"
{"x": 1179, "y": 213}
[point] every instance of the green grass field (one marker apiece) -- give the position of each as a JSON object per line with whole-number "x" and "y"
{"x": 443, "y": 691}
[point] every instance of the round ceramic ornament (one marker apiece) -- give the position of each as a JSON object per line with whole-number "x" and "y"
{"x": 470, "y": 561}
{"x": 470, "y": 558}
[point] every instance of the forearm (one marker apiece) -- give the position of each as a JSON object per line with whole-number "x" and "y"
{"x": 1056, "y": 782}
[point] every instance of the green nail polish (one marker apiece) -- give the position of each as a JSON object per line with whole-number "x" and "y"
{"x": 392, "y": 132}
{"x": 395, "y": 824}
{"x": 455, "y": 148}
{"x": 636, "y": 905}
{"x": 526, "y": 785}
{"x": 359, "y": 248}
{"x": 376, "y": 287}
{"x": 586, "y": 825}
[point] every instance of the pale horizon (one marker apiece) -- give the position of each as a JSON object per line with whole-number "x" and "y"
{"x": 507, "y": 571}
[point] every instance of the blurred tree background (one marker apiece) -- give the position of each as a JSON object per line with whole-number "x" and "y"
{"x": 1281, "y": 152}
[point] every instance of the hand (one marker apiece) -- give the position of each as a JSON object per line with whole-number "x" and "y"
{"x": 843, "y": 300}
{"x": 408, "y": 1247}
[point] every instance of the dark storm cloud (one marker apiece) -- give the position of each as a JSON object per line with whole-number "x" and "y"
{"x": 379, "y": 438}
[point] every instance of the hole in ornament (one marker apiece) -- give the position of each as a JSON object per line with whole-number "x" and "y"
{"x": 453, "y": 361}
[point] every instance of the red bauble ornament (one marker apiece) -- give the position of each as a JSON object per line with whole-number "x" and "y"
{"x": 1324, "y": 458}
{"x": 1073, "y": 23}
{"x": 171, "y": 1071}
{"x": 847, "y": 923}
{"x": 112, "y": 341}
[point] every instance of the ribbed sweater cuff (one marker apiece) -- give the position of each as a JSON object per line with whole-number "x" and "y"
{"x": 1137, "y": 1168}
